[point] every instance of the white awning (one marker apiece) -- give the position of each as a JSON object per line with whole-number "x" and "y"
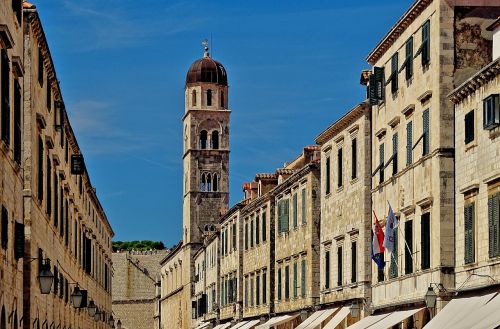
{"x": 250, "y": 324}
{"x": 339, "y": 317}
{"x": 368, "y": 321}
{"x": 458, "y": 311}
{"x": 239, "y": 324}
{"x": 320, "y": 316}
{"x": 487, "y": 316}
{"x": 276, "y": 321}
{"x": 394, "y": 318}
{"x": 223, "y": 326}
{"x": 203, "y": 325}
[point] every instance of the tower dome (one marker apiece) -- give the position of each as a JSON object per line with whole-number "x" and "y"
{"x": 208, "y": 70}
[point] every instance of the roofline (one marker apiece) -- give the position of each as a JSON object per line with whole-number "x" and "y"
{"x": 353, "y": 114}
{"x": 302, "y": 172}
{"x": 172, "y": 253}
{"x": 404, "y": 21}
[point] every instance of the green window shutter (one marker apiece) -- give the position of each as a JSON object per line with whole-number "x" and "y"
{"x": 469, "y": 233}
{"x": 409, "y": 59}
{"x": 394, "y": 73}
{"x": 409, "y": 143}
{"x": 372, "y": 90}
{"x": 426, "y": 131}
{"x": 394, "y": 154}
{"x": 381, "y": 162}
{"x": 379, "y": 82}
{"x": 304, "y": 207}
{"x": 295, "y": 280}
{"x": 279, "y": 215}
{"x": 286, "y": 212}
{"x": 426, "y": 40}
{"x": 496, "y": 224}
{"x": 490, "y": 227}
{"x": 303, "y": 279}
{"x": 295, "y": 211}
{"x": 393, "y": 269}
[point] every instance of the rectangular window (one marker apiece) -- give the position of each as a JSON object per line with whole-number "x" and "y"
{"x": 409, "y": 143}
{"x": 408, "y": 64}
{"x": 257, "y": 290}
{"x": 264, "y": 288}
{"x": 40, "y": 67}
{"x": 49, "y": 187}
{"x": 491, "y": 112}
{"x": 264, "y": 226}
{"x": 279, "y": 284}
{"x": 303, "y": 279}
{"x": 469, "y": 127}
{"x": 394, "y": 154}
{"x": 425, "y": 241}
{"x": 251, "y": 233}
{"x": 354, "y": 261}
{"x": 380, "y": 271}
{"x": 393, "y": 268}
{"x": 252, "y": 290}
{"x": 426, "y": 132}
{"x": 295, "y": 280}
{"x": 5, "y": 95}
{"x": 257, "y": 230}
{"x": 17, "y": 121}
{"x": 340, "y": 174}
{"x": 327, "y": 176}
{"x": 409, "y": 247}
{"x": 393, "y": 79}
{"x": 494, "y": 225}
{"x": 234, "y": 236}
{"x": 426, "y": 43}
{"x": 469, "y": 240}
{"x": 381, "y": 163}
{"x": 339, "y": 266}
{"x": 246, "y": 292}
{"x": 354, "y": 158}
{"x": 287, "y": 282}
{"x": 40, "y": 169}
{"x": 295, "y": 211}
{"x": 246, "y": 236}
{"x": 376, "y": 88}
{"x": 327, "y": 269}
{"x": 304, "y": 207}
{"x": 283, "y": 214}
{"x": 5, "y": 227}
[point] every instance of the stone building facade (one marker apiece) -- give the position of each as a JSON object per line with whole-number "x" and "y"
{"x": 11, "y": 174}
{"x": 135, "y": 283}
{"x": 477, "y": 174}
{"x": 346, "y": 209}
{"x": 66, "y": 229}
{"x": 416, "y": 65}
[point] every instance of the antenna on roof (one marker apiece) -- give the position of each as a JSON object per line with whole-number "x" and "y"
{"x": 205, "y": 47}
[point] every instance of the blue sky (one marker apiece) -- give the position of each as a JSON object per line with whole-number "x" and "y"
{"x": 293, "y": 68}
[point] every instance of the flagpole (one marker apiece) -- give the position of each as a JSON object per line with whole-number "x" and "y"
{"x": 406, "y": 243}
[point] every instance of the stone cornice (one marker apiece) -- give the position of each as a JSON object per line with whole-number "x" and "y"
{"x": 342, "y": 123}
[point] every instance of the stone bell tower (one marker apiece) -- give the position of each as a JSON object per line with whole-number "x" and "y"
{"x": 206, "y": 148}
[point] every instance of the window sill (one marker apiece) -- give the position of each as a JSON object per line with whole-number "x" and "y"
{"x": 340, "y": 189}
{"x": 354, "y": 180}
{"x": 469, "y": 146}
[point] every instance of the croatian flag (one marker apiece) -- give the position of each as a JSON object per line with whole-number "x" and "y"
{"x": 377, "y": 248}
{"x": 392, "y": 223}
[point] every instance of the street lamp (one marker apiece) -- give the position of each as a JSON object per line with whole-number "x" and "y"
{"x": 92, "y": 308}
{"x": 97, "y": 315}
{"x": 430, "y": 297}
{"x": 45, "y": 277}
{"x": 76, "y": 297}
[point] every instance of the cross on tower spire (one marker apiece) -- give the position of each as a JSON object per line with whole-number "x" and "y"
{"x": 205, "y": 48}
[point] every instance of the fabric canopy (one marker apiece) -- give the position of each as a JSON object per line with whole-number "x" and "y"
{"x": 250, "y": 324}
{"x": 368, "y": 321}
{"x": 320, "y": 316}
{"x": 458, "y": 311}
{"x": 394, "y": 318}
{"x": 223, "y": 326}
{"x": 339, "y": 317}
{"x": 276, "y": 321}
{"x": 239, "y": 324}
{"x": 487, "y": 316}
{"x": 203, "y": 325}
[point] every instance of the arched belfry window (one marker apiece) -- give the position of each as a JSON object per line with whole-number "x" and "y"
{"x": 209, "y": 183}
{"x": 203, "y": 182}
{"x": 215, "y": 184}
{"x": 222, "y": 99}
{"x": 209, "y": 97}
{"x": 203, "y": 139}
{"x": 215, "y": 140}
{"x": 193, "y": 98}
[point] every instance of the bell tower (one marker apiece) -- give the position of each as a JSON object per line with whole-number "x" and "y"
{"x": 206, "y": 147}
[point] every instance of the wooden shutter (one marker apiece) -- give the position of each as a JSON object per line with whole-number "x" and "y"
{"x": 327, "y": 269}
{"x": 425, "y": 240}
{"x": 394, "y": 154}
{"x": 295, "y": 211}
{"x": 381, "y": 162}
{"x": 18, "y": 240}
{"x": 393, "y": 269}
{"x": 394, "y": 73}
{"x": 409, "y": 143}
{"x": 372, "y": 90}
{"x": 379, "y": 74}
{"x": 354, "y": 252}
{"x": 5, "y": 227}
{"x": 295, "y": 279}
{"x": 409, "y": 59}
{"x": 303, "y": 279}
{"x": 280, "y": 214}
{"x": 426, "y": 51}
{"x": 5, "y": 97}
{"x": 286, "y": 211}
{"x": 426, "y": 131}
{"x": 469, "y": 233}
{"x": 257, "y": 230}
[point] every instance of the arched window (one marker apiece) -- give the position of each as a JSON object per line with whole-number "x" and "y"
{"x": 209, "y": 97}
{"x": 209, "y": 183}
{"x": 3, "y": 322}
{"x": 221, "y": 99}
{"x": 203, "y": 139}
{"x": 203, "y": 182}
{"x": 215, "y": 140}
{"x": 193, "y": 98}
{"x": 215, "y": 184}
